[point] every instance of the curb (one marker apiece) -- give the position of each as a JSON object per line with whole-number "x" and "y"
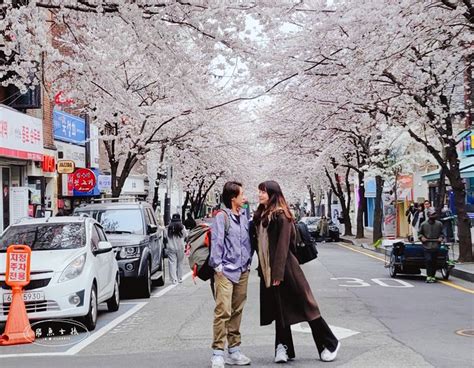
{"x": 456, "y": 272}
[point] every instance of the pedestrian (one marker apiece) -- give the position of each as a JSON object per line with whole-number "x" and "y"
{"x": 285, "y": 295}
{"x": 230, "y": 257}
{"x": 431, "y": 235}
{"x": 175, "y": 235}
{"x": 423, "y": 215}
{"x": 323, "y": 227}
{"x": 189, "y": 223}
{"x": 413, "y": 214}
{"x": 447, "y": 221}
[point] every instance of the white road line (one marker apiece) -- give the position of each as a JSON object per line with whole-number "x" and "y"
{"x": 170, "y": 287}
{"x": 101, "y": 332}
{"x": 77, "y": 348}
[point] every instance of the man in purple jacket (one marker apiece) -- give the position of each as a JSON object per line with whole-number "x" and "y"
{"x": 230, "y": 257}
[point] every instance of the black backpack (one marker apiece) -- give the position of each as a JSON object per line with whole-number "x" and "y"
{"x": 305, "y": 245}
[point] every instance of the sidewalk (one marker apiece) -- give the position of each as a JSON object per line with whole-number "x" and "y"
{"x": 463, "y": 271}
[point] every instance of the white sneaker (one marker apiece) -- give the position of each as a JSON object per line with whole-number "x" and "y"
{"x": 237, "y": 358}
{"x": 280, "y": 354}
{"x": 217, "y": 361}
{"x": 327, "y": 356}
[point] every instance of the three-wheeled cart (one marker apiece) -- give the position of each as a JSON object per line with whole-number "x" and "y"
{"x": 409, "y": 258}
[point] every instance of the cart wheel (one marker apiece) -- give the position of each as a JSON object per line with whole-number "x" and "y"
{"x": 392, "y": 268}
{"x": 445, "y": 271}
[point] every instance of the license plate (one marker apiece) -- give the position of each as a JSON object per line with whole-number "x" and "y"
{"x": 31, "y": 296}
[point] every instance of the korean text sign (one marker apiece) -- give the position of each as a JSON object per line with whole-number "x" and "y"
{"x": 18, "y": 265}
{"x": 69, "y": 128}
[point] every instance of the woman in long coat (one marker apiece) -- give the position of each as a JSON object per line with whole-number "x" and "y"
{"x": 285, "y": 295}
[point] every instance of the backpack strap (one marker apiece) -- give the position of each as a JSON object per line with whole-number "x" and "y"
{"x": 226, "y": 221}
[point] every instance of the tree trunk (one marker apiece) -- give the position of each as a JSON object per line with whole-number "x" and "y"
{"x": 459, "y": 190}
{"x": 329, "y": 216}
{"x": 311, "y": 200}
{"x": 378, "y": 213}
{"x": 346, "y": 210}
{"x": 361, "y": 207}
{"x": 183, "y": 209}
{"x": 439, "y": 201}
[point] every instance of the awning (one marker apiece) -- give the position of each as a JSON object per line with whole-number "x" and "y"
{"x": 466, "y": 167}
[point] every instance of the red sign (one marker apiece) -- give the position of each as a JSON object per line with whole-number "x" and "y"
{"x": 49, "y": 164}
{"x": 18, "y": 265}
{"x": 83, "y": 180}
{"x": 60, "y": 100}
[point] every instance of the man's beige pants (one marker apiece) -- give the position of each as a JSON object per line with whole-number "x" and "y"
{"x": 230, "y": 301}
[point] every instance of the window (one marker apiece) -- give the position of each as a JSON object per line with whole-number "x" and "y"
{"x": 94, "y": 239}
{"x": 150, "y": 217}
{"x": 101, "y": 233}
{"x": 45, "y": 236}
{"x": 118, "y": 221}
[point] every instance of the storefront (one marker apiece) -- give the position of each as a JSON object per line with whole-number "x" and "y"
{"x": 77, "y": 145}
{"x": 21, "y": 153}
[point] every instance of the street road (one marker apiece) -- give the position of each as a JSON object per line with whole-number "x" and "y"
{"x": 381, "y": 322}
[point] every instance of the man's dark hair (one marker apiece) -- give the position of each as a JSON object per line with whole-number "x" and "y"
{"x": 231, "y": 190}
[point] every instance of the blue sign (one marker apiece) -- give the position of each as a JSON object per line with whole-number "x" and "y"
{"x": 69, "y": 128}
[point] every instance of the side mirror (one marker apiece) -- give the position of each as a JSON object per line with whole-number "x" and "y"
{"x": 103, "y": 247}
{"x": 152, "y": 229}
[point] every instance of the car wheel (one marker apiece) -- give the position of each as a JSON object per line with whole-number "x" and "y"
{"x": 445, "y": 271}
{"x": 90, "y": 319}
{"x": 161, "y": 280}
{"x": 144, "y": 283}
{"x": 392, "y": 269}
{"x": 113, "y": 303}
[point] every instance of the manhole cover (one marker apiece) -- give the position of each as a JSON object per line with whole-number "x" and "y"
{"x": 468, "y": 333}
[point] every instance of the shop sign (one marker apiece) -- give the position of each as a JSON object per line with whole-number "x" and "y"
{"x": 67, "y": 151}
{"x": 105, "y": 183}
{"x": 69, "y": 128}
{"x": 66, "y": 166}
{"x": 405, "y": 187}
{"x": 49, "y": 164}
{"x": 21, "y": 135}
{"x": 84, "y": 180}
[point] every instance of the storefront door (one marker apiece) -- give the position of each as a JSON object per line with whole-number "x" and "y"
{"x": 5, "y": 201}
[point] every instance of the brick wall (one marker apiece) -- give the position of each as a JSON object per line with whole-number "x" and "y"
{"x": 47, "y": 106}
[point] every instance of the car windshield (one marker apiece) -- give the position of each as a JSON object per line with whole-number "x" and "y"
{"x": 119, "y": 221}
{"x": 45, "y": 236}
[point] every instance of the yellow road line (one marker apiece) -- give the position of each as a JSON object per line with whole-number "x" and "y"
{"x": 453, "y": 285}
{"x": 359, "y": 251}
{"x": 447, "y": 283}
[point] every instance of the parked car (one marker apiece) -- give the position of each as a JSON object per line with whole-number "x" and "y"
{"x": 133, "y": 230}
{"x": 313, "y": 227}
{"x": 73, "y": 269}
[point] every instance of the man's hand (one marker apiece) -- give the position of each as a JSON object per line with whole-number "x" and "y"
{"x": 276, "y": 282}
{"x": 423, "y": 239}
{"x": 219, "y": 274}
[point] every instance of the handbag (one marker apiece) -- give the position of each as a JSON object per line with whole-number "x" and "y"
{"x": 306, "y": 252}
{"x": 305, "y": 246}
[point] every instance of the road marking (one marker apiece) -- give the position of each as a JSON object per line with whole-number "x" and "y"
{"x": 364, "y": 253}
{"x": 339, "y": 332}
{"x": 170, "y": 287}
{"x": 453, "y": 285}
{"x": 447, "y": 283}
{"x": 102, "y": 331}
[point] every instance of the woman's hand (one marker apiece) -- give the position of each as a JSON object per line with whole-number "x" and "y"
{"x": 276, "y": 283}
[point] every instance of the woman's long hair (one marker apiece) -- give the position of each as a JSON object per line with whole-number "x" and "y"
{"x": 175, "y": 228}
{"x": 276, "y": 201}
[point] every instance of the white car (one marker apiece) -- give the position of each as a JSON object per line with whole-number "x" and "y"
{"x": 73, "y": 269}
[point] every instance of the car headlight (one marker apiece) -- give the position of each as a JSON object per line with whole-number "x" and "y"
{"x": 129, "y": 252}
{"x": 73, "y": 269}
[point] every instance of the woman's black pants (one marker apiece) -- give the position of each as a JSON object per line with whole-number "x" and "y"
{"x": 322, "y": 335}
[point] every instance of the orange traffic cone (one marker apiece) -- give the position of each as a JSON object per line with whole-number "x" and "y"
{"x": 17, "y": 329}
